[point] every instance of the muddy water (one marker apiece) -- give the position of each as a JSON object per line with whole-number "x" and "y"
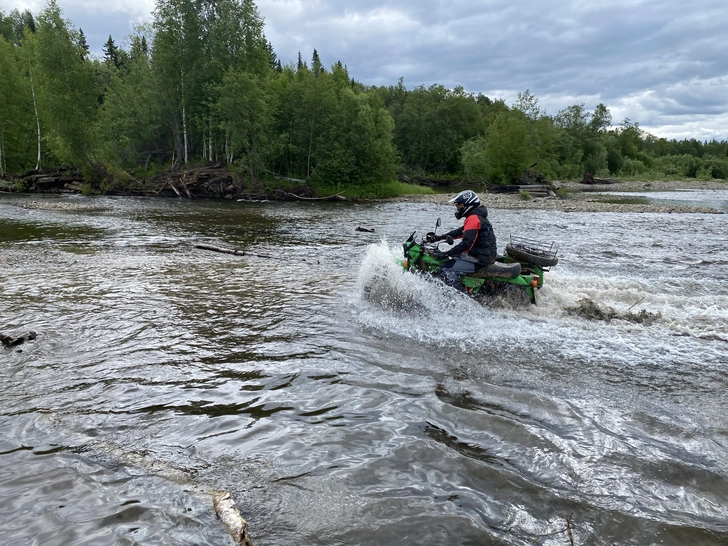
{"x": 344, "y": 402}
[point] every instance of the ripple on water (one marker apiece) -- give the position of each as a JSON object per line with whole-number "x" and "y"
{"x": 344, "y": 401}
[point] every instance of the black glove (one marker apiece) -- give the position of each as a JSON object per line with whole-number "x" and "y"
{"x": 439, "y": 255}
{"x": 431, "y": 237}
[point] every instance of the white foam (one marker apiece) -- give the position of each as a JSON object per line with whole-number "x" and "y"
{"x": 411, "y": 306}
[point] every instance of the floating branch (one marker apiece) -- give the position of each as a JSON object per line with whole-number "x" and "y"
{"x": 231, "y": 518}
{"x": 566, "y": 530}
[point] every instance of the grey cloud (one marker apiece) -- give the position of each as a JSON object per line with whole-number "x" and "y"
{"x": 632, "y": 56}
{"x": 662, "y": 59}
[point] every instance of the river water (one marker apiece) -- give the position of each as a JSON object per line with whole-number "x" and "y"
{"x": 344, "y": 402}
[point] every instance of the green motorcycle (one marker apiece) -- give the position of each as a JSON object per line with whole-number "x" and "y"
{"x": 522, "y": 267}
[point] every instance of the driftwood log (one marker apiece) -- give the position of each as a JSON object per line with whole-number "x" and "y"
{"x": 334, "y": 197}
{"x": 538, "y": 190}
{"x": 51, "y": 181}
{"x": 428, "y": 181}
{"x": 209, "y": 181}
{"x": 591, "y": 179}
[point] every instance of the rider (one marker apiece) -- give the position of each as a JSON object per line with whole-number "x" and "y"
{"x": 478, "y": 239}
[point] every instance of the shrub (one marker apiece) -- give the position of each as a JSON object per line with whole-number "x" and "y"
{"x": 632, "y": 167}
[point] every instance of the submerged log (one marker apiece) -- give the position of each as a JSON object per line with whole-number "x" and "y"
{"x": 9, "y": 342}
{"x": 220, "y": 249}
{"x": 366, "y": 230}
{"x": 228, "y": 513}
{"x": 204, "y": 246}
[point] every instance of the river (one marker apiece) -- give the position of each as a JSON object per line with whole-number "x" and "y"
{"x": 344, "y": 402}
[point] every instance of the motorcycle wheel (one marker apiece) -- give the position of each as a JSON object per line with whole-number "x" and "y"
{"x": 535, "y": 257}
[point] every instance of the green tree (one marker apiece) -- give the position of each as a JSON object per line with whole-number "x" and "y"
{"x": 243, "y": 113}
{"x": 6, "y": 28}
{"x": 130, "y": 120}
{"x": 177, "y": 62}
{"x": 583, "y": 145}
{"x": 528, "y": 105}
{"x": 507, "y": 150}
{"x": 111, "y": 52}
{"x": 68, "y": 97}
{"x": 22, "y": 24}
{"x": 13, "y": 122}
{"x": 83, "y": 45}
{"x": 431, "y": 126}
{"x": 316, "y": 65}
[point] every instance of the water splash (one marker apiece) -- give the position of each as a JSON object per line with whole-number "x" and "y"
{"x": 643, "y": 316}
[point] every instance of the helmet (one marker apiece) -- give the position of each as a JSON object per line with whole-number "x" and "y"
{"x": 468, "y": 199}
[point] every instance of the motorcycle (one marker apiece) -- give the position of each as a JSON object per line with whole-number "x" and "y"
{"x": 521, "y": 267}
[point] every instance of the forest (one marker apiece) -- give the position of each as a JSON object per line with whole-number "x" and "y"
{"x": 202, "y": 85}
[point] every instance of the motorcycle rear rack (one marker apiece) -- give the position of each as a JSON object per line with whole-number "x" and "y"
{"x": 547, "y": 250}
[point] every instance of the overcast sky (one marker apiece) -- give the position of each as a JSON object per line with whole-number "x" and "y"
{"x": 663, "y": 64}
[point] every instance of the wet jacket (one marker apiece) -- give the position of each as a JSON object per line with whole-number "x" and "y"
{"x": 477, "y": 236}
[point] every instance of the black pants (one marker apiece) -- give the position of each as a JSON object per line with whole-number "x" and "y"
{"x": 455, "y": 268}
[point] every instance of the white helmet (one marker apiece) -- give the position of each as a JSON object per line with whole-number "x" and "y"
{"x": 468, "y": 199}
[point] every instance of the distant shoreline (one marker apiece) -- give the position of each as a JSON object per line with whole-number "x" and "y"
{"x": 579, "y": 198}
{"x": 586, "y": 198}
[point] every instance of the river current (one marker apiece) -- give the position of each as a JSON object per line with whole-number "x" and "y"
{"x": 344, "y": 402}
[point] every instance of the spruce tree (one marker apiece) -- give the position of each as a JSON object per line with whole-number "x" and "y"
{"x": 111, "y": 52}
{"x": 83, "y": 44}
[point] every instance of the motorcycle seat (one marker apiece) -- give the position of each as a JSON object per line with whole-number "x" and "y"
{"x": 499, "y": 269}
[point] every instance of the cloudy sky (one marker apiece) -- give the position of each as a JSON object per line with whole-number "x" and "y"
{"x": 663, "y": 64}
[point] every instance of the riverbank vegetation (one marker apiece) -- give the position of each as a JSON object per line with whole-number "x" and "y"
{"x": 202, "y": 85}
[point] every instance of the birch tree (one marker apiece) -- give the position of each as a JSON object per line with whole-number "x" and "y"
{"x": 20, "y": 147}
{"x": 66, "y": 89}
{"x": 176, "y": 58}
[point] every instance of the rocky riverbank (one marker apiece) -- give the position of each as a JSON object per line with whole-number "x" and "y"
{"x": 589, "y": 198}
{"x": 217, "y": 182}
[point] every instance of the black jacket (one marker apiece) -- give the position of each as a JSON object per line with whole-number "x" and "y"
{"x": 477, "y": 235}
